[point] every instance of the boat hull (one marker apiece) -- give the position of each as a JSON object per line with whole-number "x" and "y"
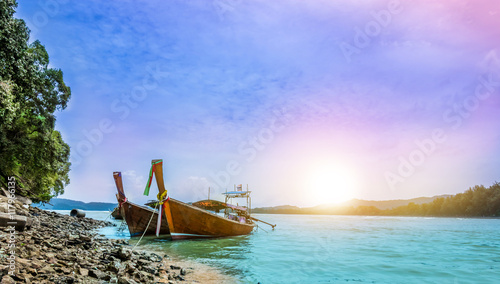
{"x": 188, "y": 222}
{"x": 116, "y": 214}
{"x": 138, "y": 217}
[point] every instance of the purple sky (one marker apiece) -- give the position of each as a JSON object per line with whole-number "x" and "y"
{"x": 308, "y": 102}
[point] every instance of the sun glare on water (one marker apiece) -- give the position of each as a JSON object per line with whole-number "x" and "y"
{"x": 331, "y": 184}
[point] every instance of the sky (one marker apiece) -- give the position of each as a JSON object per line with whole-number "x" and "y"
{"x": 306, "y": 102}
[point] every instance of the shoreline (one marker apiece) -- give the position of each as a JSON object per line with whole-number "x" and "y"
{"x": 359, "y": 215}
{"x": 59, "y": 248}
{"x": 199, "y": 272}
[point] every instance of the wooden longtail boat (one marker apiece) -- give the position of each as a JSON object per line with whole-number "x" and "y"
{"x": 116, "y": 214}
{"x": 186, "y": 221}
{"x": 138, "y": 217}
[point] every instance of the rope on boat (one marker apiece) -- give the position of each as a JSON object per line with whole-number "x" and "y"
{"x": 108, "y": 216}
{"x": 146, "y": 227}
{"x": 258, "y": 227}
{"x": 123, "y": 224}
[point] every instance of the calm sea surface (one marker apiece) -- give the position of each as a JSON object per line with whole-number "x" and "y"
{"x": 337, "y": 249}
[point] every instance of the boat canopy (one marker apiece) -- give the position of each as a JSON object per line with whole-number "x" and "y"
{"x": 236, "y": 193}
{"x": 215, "y": 205}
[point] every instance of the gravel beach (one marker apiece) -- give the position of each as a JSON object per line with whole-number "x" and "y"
{"x": 56, "y": 248}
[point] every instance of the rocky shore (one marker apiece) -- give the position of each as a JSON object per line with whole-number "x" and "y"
{"x": 59, "y": 248}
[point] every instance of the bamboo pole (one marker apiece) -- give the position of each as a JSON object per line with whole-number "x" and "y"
{"x": 263, "y": 222}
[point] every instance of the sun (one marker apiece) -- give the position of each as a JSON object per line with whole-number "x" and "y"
{"x": 331, "y": 184}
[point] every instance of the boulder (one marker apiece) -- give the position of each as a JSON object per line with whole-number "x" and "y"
{"x": 8, "y": 280}
{"x": 124, "y": 254}
{"x": 96, "y": 273}
{"x": 83, "y": 272}
{"x": 19, "y": 222}
{"x": 124, "y": 280}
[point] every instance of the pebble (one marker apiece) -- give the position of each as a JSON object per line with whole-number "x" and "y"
{"x": 63, "y": 249}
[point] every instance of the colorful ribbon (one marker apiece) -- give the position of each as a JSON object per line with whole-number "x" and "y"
{"x": 148, "y": 184}
{"x": 121, "y": 203}
{"x": 160, "y": 200}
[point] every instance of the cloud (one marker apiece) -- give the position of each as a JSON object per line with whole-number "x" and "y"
{"x": 229, "y": 65}
{"x": 133, "y": 184}
{"x": 193, "y": 188}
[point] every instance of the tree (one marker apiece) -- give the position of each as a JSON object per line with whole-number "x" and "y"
{"x": 435, "y": 206}
{"x": 30, "y": 92}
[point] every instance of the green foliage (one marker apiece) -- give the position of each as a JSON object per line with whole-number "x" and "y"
{"x": 477, "y": 201}
{"x": 365, "y": 211}
{"x": 30, "y": 93}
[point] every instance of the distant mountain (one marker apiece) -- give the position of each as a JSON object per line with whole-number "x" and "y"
{"x": 384, "y": 204}
{"x": 277, "y": 209}
{"x": 68, "y": 204}
{"x": 341, "y": 207}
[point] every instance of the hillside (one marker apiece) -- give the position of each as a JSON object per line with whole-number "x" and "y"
{"x": 477, "y": 201}
{"x": 68, "y": 204}
{"x": 389, "y": 204}
{"x": 338, "y": 208}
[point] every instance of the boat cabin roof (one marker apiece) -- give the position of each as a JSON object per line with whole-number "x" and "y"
{"x": 217, "y": 205}
{"x": 237, "y": 193}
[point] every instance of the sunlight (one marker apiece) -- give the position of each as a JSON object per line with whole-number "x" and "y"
{"x": 331, "y": 184}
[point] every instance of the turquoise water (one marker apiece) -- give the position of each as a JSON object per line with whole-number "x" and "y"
{"x": 338, "y": 249}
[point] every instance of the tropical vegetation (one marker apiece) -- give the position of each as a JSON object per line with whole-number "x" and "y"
{"x": 31, "y": 150}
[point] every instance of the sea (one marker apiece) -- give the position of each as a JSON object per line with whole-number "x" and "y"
{"x": 341, "y": 249}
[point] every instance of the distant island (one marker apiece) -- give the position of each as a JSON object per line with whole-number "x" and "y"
{"x": 478, "y": 201}
{"x": 68, "y": 204}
